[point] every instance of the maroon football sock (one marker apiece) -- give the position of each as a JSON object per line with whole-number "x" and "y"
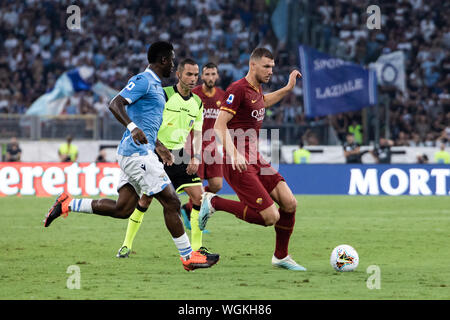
{"x": 283, "y": 231}
{"x": 239, "y": 209}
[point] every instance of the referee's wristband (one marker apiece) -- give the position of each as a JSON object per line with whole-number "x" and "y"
{"x": 131, "y": 126}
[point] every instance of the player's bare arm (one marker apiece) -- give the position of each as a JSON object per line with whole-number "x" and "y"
{"x": 196, "y": 157}
{"x": 117, "y": 107}
{"x": 165, "y": 154}
{"x": 274, "y": 97}
{"x": 223, "y": 138}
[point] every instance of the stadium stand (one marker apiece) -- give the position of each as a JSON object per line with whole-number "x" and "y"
{"x": 36, "y": 48}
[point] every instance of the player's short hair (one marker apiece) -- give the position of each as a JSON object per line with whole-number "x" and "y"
{"x": 259, "y": 53}
{"x": 210, "y": 65}
{"x": 158, "y": 50}
{"x": 184, "y": 62}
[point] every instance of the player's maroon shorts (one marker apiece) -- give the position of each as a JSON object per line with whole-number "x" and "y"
{"x": 209, "y": 167}
{"x": 254, "y": 185}
{"x": 208, "y": 171}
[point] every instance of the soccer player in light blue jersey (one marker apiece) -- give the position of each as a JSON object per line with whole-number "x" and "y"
{"x": 139, "y": 107}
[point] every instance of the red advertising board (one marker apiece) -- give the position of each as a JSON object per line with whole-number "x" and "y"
{"x": 44, "y": 179}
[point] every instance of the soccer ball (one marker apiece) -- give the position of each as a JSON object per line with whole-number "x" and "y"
{"x": 344, "y": 258}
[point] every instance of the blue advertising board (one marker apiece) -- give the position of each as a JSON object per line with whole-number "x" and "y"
{"x": 376, "y": 179}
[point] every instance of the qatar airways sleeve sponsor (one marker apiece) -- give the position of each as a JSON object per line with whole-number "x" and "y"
{"x": 50, "y": 179}
{"x": 211, "y": 113}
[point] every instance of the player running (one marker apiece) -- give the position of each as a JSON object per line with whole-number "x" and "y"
{"x": 183, "y": 114}
{"x": 139, "y": 107}
{"x": 208, "y": 169}
{"x": 254, "y": 180}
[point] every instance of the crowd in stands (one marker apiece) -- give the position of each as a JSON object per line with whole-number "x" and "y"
{"x": 37, "y": 47}
{"x": 421, "y": 29}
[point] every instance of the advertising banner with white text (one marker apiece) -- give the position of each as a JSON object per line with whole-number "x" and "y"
{"x": 100, "y": 179}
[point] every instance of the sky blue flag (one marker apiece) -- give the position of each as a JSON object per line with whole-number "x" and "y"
{"x": 70, "y": 82}
{"x": 280, "y": 20}
{"x": 332, "y": 85}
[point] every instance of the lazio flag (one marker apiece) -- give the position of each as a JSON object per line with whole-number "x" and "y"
{"x": 52, "y": 102}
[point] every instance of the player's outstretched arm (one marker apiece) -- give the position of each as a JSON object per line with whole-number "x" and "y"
{"x": 274, "y": 97}
{"x": 117, "y": 107}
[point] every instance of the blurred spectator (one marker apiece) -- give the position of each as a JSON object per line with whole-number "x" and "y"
{"x": 382, "y": 153}
{"x": 355, "y": 129}
{"x": 101, "y": 155}
{"x": 13, "y": 151}
{"x": 310, "y": 138}
{"x": 301, "y": 155}
{"x": 445, "y": 134}
{"x": 101, "y": 107}
{"x": 351, "y": 150}
{"x": 422, "y": 158}
{"x": 68, "y": 152}
{"x": 340, "y": 125}
{"x": 402, "y": 139}
{"x": 442, "y": 156}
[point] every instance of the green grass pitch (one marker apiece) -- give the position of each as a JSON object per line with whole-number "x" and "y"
{"x": 407, "y": 238}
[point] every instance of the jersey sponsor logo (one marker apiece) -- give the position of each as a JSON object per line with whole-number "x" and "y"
{"x": 230, "y": 99}
{"x": 210, "y": 113}
{"x": 259, "y": 114}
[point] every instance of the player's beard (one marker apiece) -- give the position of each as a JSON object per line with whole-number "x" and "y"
{"x": 210, "y": 84}
{"x": 263, "y": 79}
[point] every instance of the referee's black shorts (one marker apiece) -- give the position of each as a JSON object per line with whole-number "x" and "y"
{"x": 177, "y": 172}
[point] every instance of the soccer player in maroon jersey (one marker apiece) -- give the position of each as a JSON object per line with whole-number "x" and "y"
{"x": 208, "y": 169}
{"x": 256, "y": 183}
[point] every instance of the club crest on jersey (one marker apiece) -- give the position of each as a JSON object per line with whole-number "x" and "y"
{"x": 230, "y": 99}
